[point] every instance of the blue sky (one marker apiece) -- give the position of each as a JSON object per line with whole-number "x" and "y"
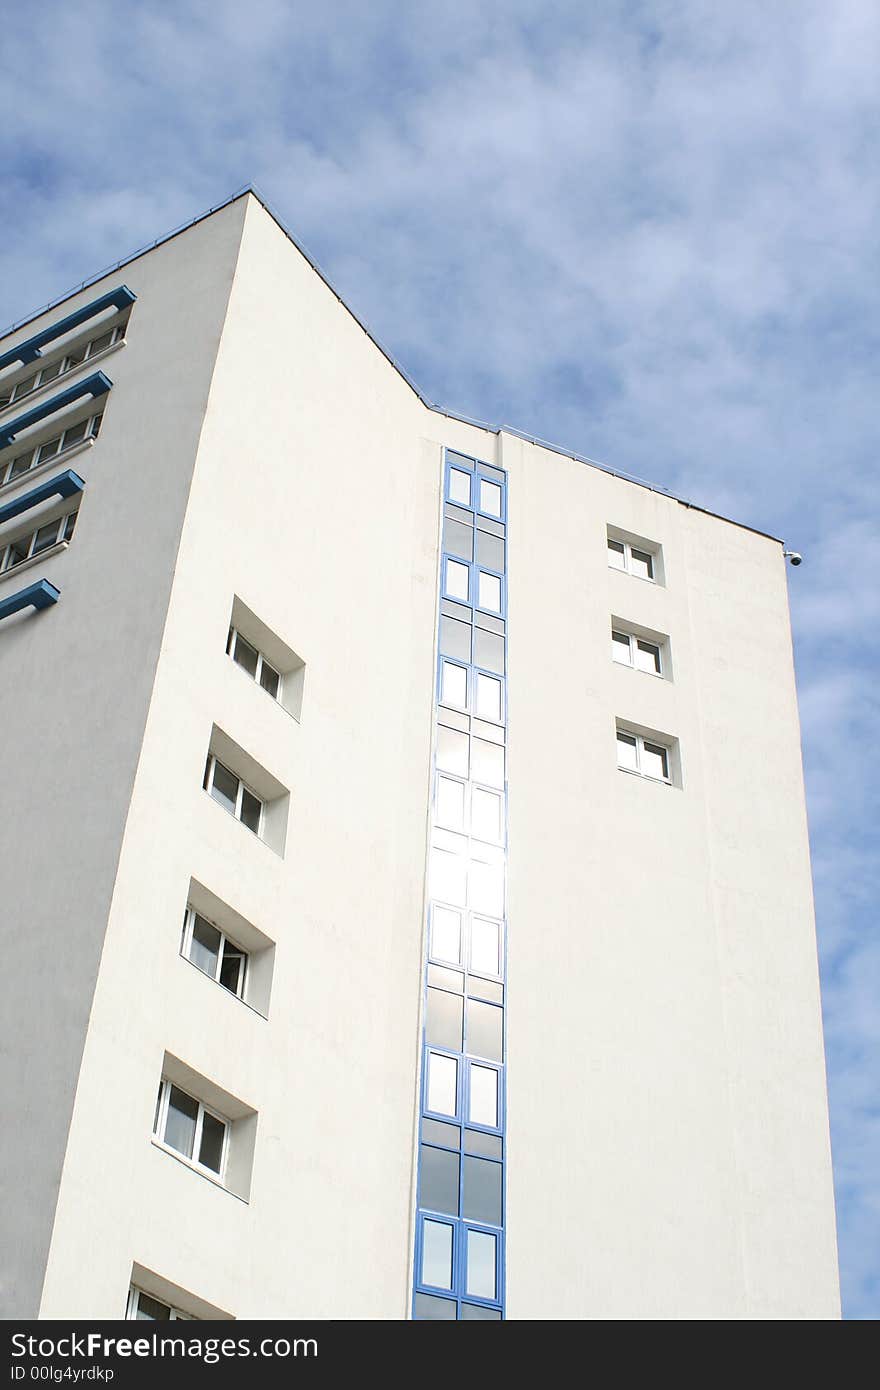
{"x": 644, "y": 230}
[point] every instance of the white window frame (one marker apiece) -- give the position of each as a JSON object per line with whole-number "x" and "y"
{"x": 243, "y": 787}
{"x": 189, "y": 922}
{"x": 174, "y": 1314}
{"x": 62, "y": 535}
{"x": 640, "y": 742}
{"x": 627, "y": 568}
{"x": 10, "y": 394}
{"x": 634, "y": 641}
{"x": 92, "y": 427}
{"x": 257, "y": 678}
{"x": 161, "y": 1120}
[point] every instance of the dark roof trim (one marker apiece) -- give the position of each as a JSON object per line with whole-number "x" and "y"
{"x": 251, "y": 189}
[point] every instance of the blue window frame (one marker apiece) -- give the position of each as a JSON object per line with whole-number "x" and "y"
{"x": 462, "y": 1095}
{"x": 95, "y": 385}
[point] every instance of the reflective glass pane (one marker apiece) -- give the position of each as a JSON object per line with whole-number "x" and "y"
{"x": 655, "y": 762}
{"x": 627, "y": 755}
{"x": 46, "y": 450}
{"x": 457, "y": 576}
{"x": 478, "y": 1312}
{"x": 486, "y": 815}
{"x": 446, "y": 934}
{"x": 490, "y": 498}
{"x": 224, "y": 787}
{"x": 620, "y": 648}
{"x": 455, "y": 639}
{"x": 251, "y": 806}
{"x": 232, "y": 969}
{"x": 489, "y": 651}
{"x": 487, "y": 763}
{"x": 438, "y": 1180}
{"x": 442, "y": 978}
{"x": 490, "y": 592}
{"x": 459, "y": 487}
{"x": 642, "y": 564}
{"x": 150, "y": 1309}
{"x": 69, "y": 526}
{"x": 485, "y": 946}
{"x": 484, "y": 1030}
{"x": 75, "y": 433}
{"x": 648, "y": 657}
{"x": 488, "y": 697}
{"x": 487, "y": 888}
{"x": 450, "y": 803}
{"x": 442, "y": 1086}
{"x": 438, "y": 1132}
{"x": 246, "y": 655}
{"x": 99, "y": 344}
{"x": 180, "y": 1124}
{"x": 616, "y": 555}
{"x": 448, "y": 878}
{"x": 211, "y": 1143}
{"x": 481, "y": 1200}
{"x": 443, "y": 1016}
{"x": 490, "y": 551}
{"x": 270, "y": 679}
{"x": 437, "y": 1254}
{"x": 453, "y": 685}
{"x": 452, "y": 750}
{"x": 45, "y": 536}
{"x": 481, "y": 1264}
{"x": 483, "y": 1107}
{"x": 205, "y": 946}
{"x": 458, "y": 539}
{"x": 480, "y": 988}
{"x": 484, "y": 1145}
{"x": 427, "y": 1308}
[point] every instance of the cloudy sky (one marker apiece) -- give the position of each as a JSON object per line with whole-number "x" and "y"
{"x": 645, "y": 230}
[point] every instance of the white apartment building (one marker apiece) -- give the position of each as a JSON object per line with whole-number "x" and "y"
{"x": 405, "y": 882}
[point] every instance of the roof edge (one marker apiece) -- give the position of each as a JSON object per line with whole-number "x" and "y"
{"x": 250, "y": 189}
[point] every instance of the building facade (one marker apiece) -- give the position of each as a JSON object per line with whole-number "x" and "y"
{"x": 405, "y": 873}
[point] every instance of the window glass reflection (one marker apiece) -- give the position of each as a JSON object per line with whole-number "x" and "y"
{"x": 481, "y": 1280}
{"x": 442, "y": 1090}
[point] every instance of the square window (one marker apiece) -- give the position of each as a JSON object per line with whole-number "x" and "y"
{"x": 452, "y": 750}
{"x": 485, "y": 1030}
{"x": 437, "y": 1254}
{"x": 620, "y": 648}
{"x": 446, "y": 934}
{"x": 481, "y": 1280}
{"x": 488, "y": 698}
{"x": 442, "y": 1088}
{"x": 448, "y": 877}
{"x": 648, "y": 657}
{"x": 481, "y": 1199}
{"x": 485, "y": 946}
{"x": 459, "y": 487}
{"x": 450, "y": 803}
{"x": 616, "y": 555}
{"x": 490, "y": 498}
{"x": 642, "y": 564}
{"x": 627, "y": 752}
{"x": 438, "y": 1179}
{"x": 486, "y": 815}
{"x": 457, "y": 580}
{"x": 655, "y": 762}
{"x": 490, "y": 592}
{"x": 483, "y": 1103}
{"x": 453, "y": 685}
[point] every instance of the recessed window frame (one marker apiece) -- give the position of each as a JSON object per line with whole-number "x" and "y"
{"x": 135, "y": 1294}
{"x": 640, "y": 742}
{"x": 160, "y": 1124}
{"x": 636, "y": 643}
{"x": 617, "y": 543}
{"x": 30, "y": 459}
{"x": 208, "y": 784}
{"x": 83, "y": 352}
{"x": 189, "y": 921}
{"x": 232, "y": 641}
{"x": 11, "y": 556}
